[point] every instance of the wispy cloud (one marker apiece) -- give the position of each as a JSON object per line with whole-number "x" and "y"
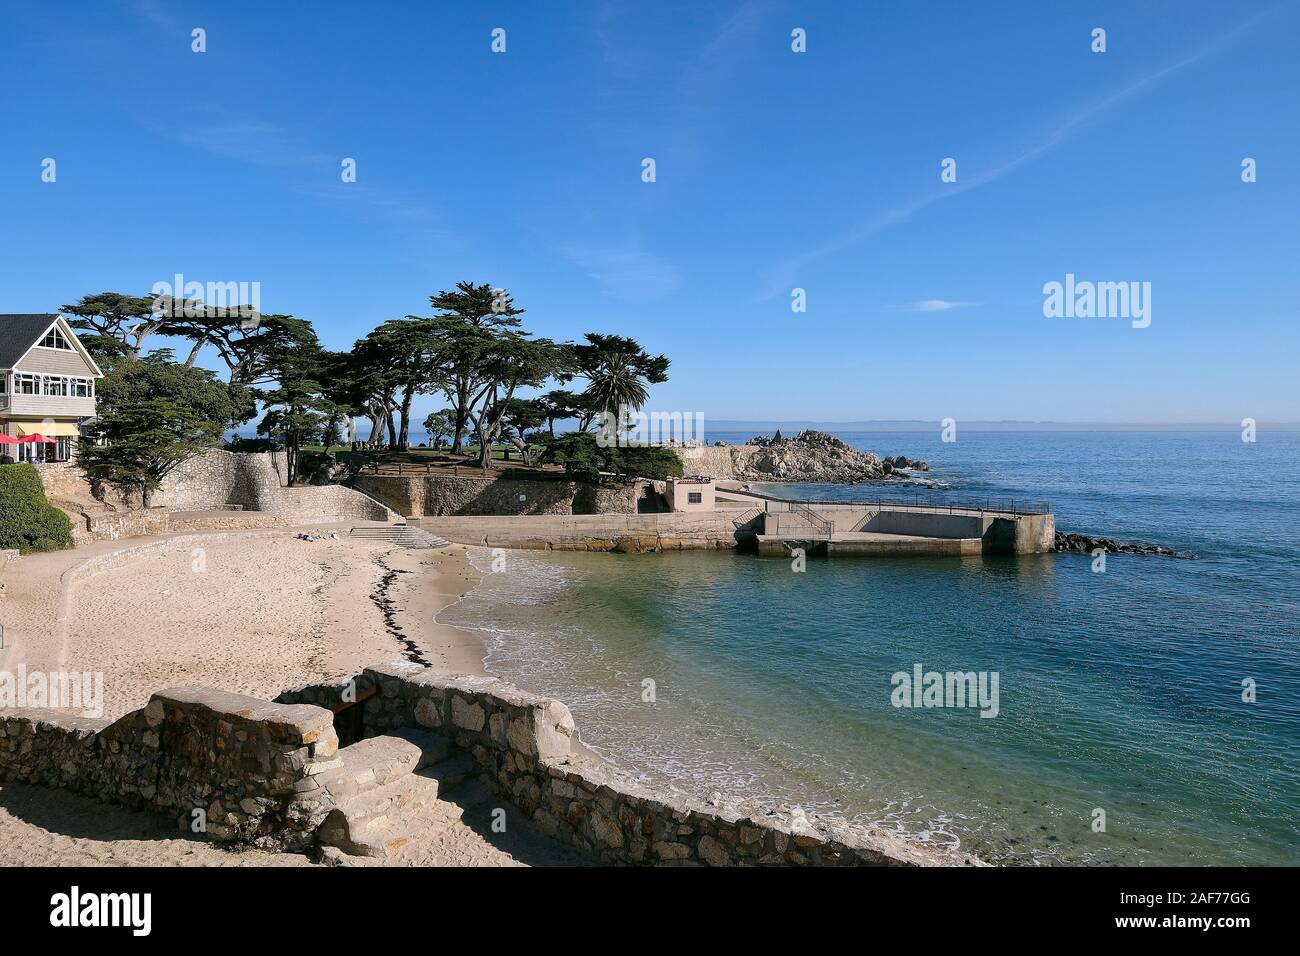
{"x": 704, "y": 78}
{"x": 152, "y": 10}
{"x": 781, "y": 277}
{"x": 258, "y": 142}
{"x": 248, "y": 140}
{"x": 627, "y": 273}
{"x": 932, "y": 305}
{"x": 378, "y": 203}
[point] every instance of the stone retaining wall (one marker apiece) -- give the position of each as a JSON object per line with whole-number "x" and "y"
{"x": 449, "y": 494}
{"x": 217, "y": 478}
{"x": 245, "y": 765}
{"x": 673, "y": 531}
{"x": 525, "y": 746}
{"x": 193, "y": 495}
{"x": 112, "y": 525}
{"x": 252, "y": 481}
{"x": 61, "y": 479}
{"x": 245, "y": 771}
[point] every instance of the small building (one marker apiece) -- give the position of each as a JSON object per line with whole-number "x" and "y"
{"x": 689, "y": 494}
{"x": 47, "y": 387}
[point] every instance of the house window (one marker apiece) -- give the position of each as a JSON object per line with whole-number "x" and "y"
{"x": 54, "y": 339}
{"x": 27, "y": 384}
{"x": 55, "y": 385}
{"x": 694, "y": 497}
{"x": 82, "y": 388}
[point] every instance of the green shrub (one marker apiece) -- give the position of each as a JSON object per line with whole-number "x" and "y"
{"x": 239, "y": 444}
{"x": 314, "y": 467}
{"x": 27, "y": 521}
{"x": 585, "y": 460}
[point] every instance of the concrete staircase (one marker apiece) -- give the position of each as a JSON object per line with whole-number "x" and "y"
{"x": 863, "y": 521}
{"x": 403, "y": 535}
{"x": 386, "y": 787}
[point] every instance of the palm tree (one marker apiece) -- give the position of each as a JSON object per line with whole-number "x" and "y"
{"x": 617, "y": 370}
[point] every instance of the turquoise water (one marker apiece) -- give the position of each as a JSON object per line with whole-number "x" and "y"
{"x": 1118, "y": 691}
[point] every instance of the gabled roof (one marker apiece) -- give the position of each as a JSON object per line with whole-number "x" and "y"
{"x": 20, "y": 333}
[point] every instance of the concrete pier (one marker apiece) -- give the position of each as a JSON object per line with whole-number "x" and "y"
{"x": 771, "y": 526}
{"x": 884, "y": 528}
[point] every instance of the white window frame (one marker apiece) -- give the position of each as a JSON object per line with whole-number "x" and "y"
{"x": 57, "y": 334}
{"x": 73, "y": 386}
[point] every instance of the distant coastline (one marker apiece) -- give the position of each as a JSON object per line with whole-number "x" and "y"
{"x": 727, "y": 426}
{"x": 909, "y": 425}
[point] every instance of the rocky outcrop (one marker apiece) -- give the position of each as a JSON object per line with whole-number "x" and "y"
{"x": 811, "y": 456}
{"x": 1084, "y": 544}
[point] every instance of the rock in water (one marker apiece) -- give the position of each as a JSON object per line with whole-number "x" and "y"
{"x": 911, "y": 464}
{"x": 1084, "y": 544}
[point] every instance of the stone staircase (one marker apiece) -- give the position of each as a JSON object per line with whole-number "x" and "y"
{"x": 403, "y": 535}
{"x": 386, "y": 787}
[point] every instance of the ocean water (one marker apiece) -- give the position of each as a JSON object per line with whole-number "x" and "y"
{"x": 1119, "y": 692}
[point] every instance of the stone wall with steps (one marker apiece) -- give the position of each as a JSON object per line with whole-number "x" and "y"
{"x": 387, "y": 789}
{"x": 525, "y": 746}
{"x": 272, "y": 774}
{"x": 192, "y": 495}
{"x": 234, "y": 767}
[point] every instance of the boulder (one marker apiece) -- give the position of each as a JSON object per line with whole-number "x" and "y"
{"x": 1085, "y": 544}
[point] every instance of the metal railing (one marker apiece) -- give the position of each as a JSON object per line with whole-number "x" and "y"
{"x": 413, "y": 468}
{"x": 817, "y": 521}
{"x": 863, "y": 521}
{"x": 1015, "y": 506}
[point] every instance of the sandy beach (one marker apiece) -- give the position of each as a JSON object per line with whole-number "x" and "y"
{"x": 255, "y": 612}
{"x": 250, "y": 612}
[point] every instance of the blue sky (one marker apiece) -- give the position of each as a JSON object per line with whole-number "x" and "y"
{"x": 774, "y": 170}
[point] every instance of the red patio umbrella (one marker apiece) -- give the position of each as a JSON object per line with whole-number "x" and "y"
{"x": 6, "y": 440}
{"x": 39, "y": 438}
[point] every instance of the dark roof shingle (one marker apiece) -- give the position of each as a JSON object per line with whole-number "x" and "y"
{"x": 18, "y": 333}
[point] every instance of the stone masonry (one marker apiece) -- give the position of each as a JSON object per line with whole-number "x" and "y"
{"x": 525, "y": 745}
{"x": 234, "y": 767}
{"x": 246, "y": 771}
{"x": 446, "y": 494}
